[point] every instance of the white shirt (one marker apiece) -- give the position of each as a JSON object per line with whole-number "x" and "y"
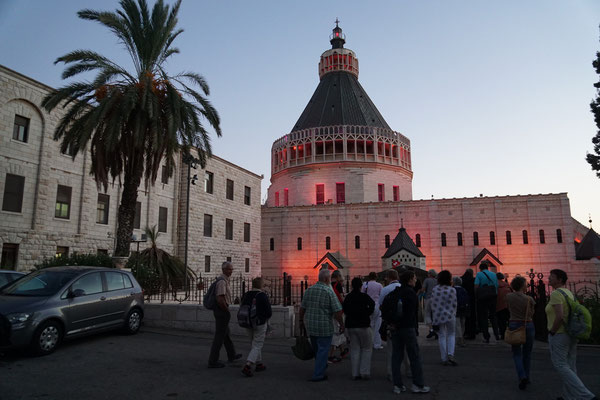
{"x": 387, "y": 290}
{"x": 373, "y": 289}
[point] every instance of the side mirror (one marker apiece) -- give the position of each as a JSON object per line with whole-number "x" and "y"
{"x": 75, "y": 293}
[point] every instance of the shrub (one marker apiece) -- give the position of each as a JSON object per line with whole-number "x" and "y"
{"x": 90, "y": 260}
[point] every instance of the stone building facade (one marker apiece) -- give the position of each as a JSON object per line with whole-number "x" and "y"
{"x": 51, "y": 204}
{"x": 341, "y": 184}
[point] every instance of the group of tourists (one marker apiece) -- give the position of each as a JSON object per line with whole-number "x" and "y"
{"x": 372, "y": 313}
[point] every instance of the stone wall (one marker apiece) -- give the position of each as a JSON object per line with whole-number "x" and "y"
{"x": 194, "y": 317}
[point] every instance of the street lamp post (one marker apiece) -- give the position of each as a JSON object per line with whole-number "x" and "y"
{"x": 191, "y": 162}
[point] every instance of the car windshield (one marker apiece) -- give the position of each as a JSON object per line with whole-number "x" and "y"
{"x": 41, "y": 283}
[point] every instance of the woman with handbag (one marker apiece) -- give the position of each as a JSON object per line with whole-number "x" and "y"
{"x": 521, "y": 332}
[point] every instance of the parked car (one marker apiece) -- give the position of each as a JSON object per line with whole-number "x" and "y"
{"x": 57, "y": 303}
{"x": 7, "y": 276}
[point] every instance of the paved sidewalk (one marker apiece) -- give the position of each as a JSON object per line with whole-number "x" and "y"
{"x": 166, "y": 364}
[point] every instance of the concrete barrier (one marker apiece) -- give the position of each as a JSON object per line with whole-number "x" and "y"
{"x": 194, "y": 317}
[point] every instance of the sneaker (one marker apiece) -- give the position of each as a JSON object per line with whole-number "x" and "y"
{"x": 365, "y": 377}
{"x": 446, "y": 363}
{"x": 236, "y": 357}
{"x": 523, "y": 383}
{"x": 419, "y": 389}
{"x": 344, "y": 352}
{"x": 260, "y": 367}
{"x": 431, "y": 334}
{"x": 452, "y": 361}
{"x": 399, "y": 389}
{"x": 247, "y": 370}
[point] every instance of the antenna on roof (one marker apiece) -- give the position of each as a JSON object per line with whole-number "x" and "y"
{"x": 590, "y": 220}
{"x": 401, "y": 222}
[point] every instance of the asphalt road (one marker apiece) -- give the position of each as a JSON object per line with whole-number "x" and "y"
{"x": 160, "y": 364}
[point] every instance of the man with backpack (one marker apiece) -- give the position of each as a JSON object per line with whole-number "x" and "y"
{"x": 222, "y": 294}
{"x": 486, "y": 293}
{"x": 254, "y": 314}
{"x": 398, "y": 310}
{"x": 561, "y": 342}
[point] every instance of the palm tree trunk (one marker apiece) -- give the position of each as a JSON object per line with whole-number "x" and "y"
{"x": 126, "y": 214}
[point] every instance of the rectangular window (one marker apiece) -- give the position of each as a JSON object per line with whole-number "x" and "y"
{"x": 63, "y": 202}
{"x": 340, "y": 192}
{"x": 102, "y": 209}
{"x": 558, "y": 236}
{"x": 542, "y": 237}
{"x": 286, "y": 197}
{"x": 247, "y": 265}
{"x": 10, "y": 252}
{"x": 208, "y": 225}
{"x": 276, "y": 199}
{"x": 62, "y": 251}
{"x": 246, "y": 195}
{"x": 246, "y": 232}
{"x": 381, "y": 192}
{"x": 228, "y": 229}
{"x": 13, "y": 193}
{"x": 492, "y": 238}
{"x": 320, "y": 193}
{"x": 206, "y": 263}
{"x": 271, "y": 244}
{"x": 164, "y": 179}
{"x": 21, "y": 129}
{"x": 228, "y": 259}
{"x": 396, "y": 193}
{"x": 138, "y": 215}
{"x": 208, "y": 182}
{"x": 229, "y": 190}
{"x": 162, "y": 219}
{"x": 475, "y": 238}
{"x": 508, "y": 237}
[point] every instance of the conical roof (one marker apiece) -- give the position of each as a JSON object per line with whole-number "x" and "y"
{"x": 403, "y": 242}
{"x": 589, "y": 246}
{"x": 340, "y": 100}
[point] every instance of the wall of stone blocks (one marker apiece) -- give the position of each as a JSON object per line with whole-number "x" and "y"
{"x": 361, "y": 183}
{"x": 429, "y": 218}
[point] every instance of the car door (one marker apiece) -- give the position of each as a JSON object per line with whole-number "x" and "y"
{"x": 118, "y": 296}
{"x": 87, "y": 311}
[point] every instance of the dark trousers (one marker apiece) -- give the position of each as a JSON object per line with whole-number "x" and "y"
{"x": 406, "y": 338}
{"x": 221, "y": 336}
{"x": 502, "y": 316}
{"x": 471, "y": 321}
{"x": 486, "y": 309}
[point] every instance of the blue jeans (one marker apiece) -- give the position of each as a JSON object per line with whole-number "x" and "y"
{"x": 522, "y": 352}
{"x": 406, "y": 338}
{"x": 320, "y": 345}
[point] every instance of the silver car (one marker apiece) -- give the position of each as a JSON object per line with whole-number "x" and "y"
{"x": 64, "y": 302}
{"x": 7, "y": 276}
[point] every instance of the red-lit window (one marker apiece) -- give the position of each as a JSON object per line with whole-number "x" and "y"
{"x": 276, "y": 199}
{"x": 320, "y": 193}
{"x": 340, "y": 192}
{"x": 286, "y": 197}
{"x": 396, "y": 193}
{"x": 381, "y": 192}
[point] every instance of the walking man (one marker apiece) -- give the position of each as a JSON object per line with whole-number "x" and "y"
{"x": 319, "y": 306}
{"x": 222, "y": 317}
{"x": 486, "y": 292}
{"x": 373, "y": 289}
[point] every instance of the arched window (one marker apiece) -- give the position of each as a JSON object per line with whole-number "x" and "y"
{"x": 357, "y": 242}
{"x": 559, "y": 236}
{"x": 271, "y": 244}
{"x": 459, "y": 238}
{"x": 508, "y": 237}
{"x": 492, "y": 238}
{"x": 443, "y": 240}
{"x": 299, "y": 243}
{"x": 525, "y": 238}
{"x": 387, "y": 241}
{"x": 418, "y": 239}
{"x": 327, "y": 243}
{"x": 475, "y": 238}
{"x": 542, "y": 237}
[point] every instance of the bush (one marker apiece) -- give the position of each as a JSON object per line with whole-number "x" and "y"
{"x": 90, "y": 260}
{"x": 147, "y": 277}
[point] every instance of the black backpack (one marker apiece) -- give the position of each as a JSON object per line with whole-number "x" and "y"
{"x": 247, "y": 316}
{"x": 210, "y": 299}
{"x": 391, "y": 308}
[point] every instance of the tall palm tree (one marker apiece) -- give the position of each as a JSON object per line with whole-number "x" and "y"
{"x": 133, "y": 119}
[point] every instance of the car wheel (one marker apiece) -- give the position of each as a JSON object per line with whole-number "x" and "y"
{"x": 133, "y": 322}
{"x": 46, "y": 338}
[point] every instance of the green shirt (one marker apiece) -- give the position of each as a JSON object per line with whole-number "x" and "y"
{"x": 320, "y": 303}
{"x": 557, "y": 298}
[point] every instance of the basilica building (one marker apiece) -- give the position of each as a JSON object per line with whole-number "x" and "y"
{"x": 341, "y": 198}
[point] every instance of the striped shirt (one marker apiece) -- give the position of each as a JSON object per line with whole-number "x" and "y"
{"x": 320, "y": 303}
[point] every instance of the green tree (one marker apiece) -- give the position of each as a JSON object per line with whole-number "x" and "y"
{"x": 131, "y": 120}
{"x": 594, "y": 159}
